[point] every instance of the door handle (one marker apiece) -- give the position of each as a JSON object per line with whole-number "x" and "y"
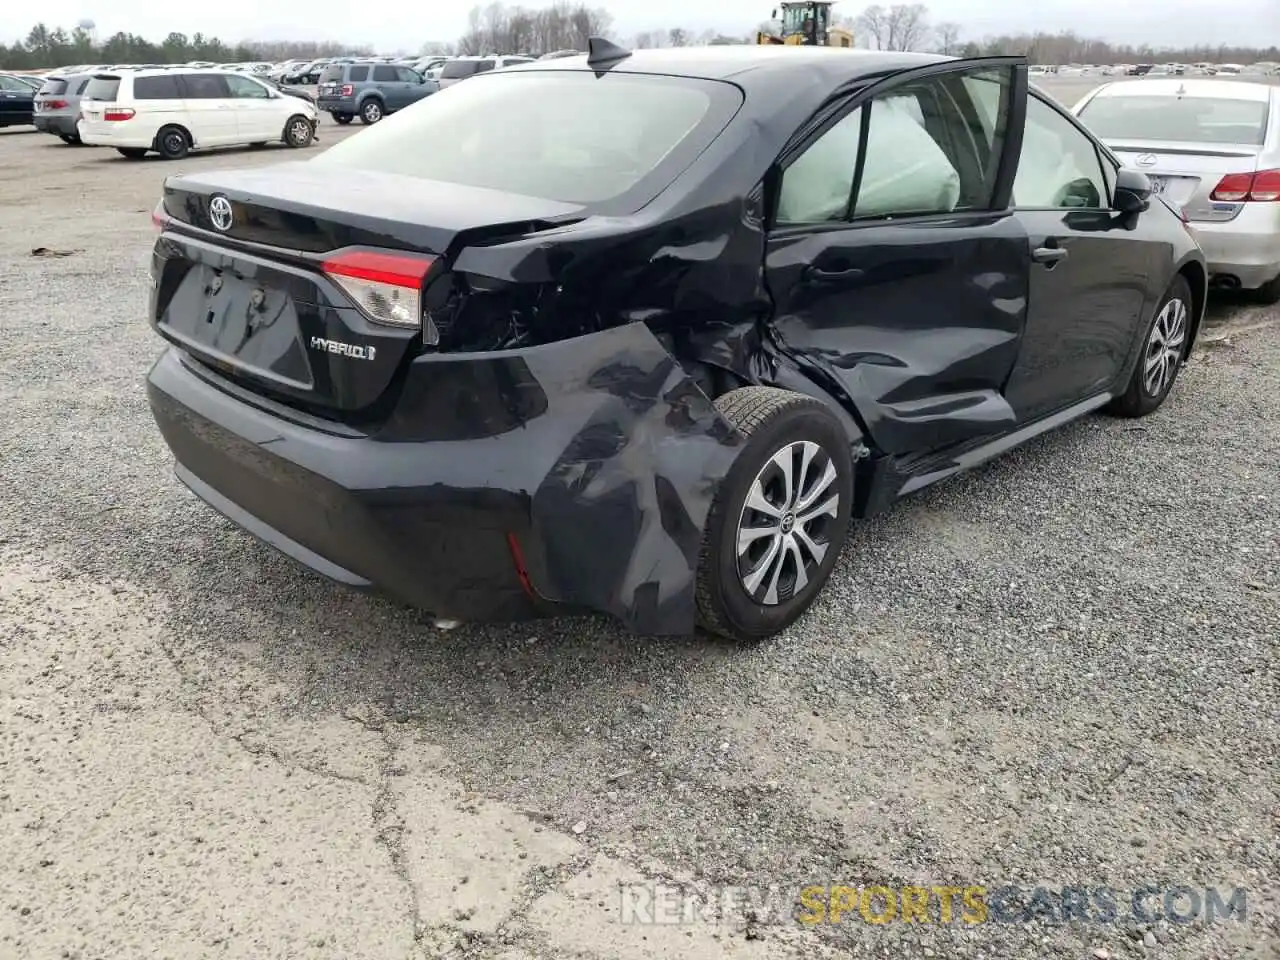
{"x": 1049, "y": 256}
{"x": 818, "y": 275}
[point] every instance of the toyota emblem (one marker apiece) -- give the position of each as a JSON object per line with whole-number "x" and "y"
{"x": 220, "y": 213}
{"x": 1146, "y": 160}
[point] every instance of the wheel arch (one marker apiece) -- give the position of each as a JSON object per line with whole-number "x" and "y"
{"x": 1197, "y": 277}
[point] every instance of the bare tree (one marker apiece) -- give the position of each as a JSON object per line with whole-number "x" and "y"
{"x": 874, "y": 23}
{"x": 948, "y": 35}
{"x": 908, "y": 26}
{"x": 678, "y": 37}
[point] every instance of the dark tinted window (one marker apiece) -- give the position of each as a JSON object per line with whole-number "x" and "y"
{"x": 102, "y": 88}
{"x": 457, "y": 69}
{"x": 80, "y": 85}
{"x": 163, "y": 87}
{"x": 358, "y": 74}
{"x": 54, "y": 87}
{"x": 384, "y": 74}
{"x": 206, "y": 86}
{"x": 484, "y": 65}
{"x": 331, "y": 73}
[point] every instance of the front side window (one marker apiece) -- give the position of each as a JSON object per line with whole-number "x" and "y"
{"x": 558, "y": 135}
{"x": 457, "y": 69}
{"x": 1059, "y": 166}
{"x": 928, "y": 150}
{"x": 405, "y": 75}
{"x": 245, "y": 89}
{"x": 13, "y": 85}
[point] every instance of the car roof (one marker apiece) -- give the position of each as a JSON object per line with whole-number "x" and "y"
{"x": 776, "y": 62}
{"x": 1181, "y": 86}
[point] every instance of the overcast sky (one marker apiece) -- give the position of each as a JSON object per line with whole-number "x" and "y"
{"x": 398, "y": 25}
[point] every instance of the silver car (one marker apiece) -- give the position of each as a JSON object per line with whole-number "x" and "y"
{"x": 1212, "y": 149}
{"x": 57, "y": 105}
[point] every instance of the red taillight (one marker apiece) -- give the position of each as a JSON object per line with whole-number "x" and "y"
{"x": 347, "y": 90}
{"x": 386, "y": 286}
{"x": 118, "y": 113}
{"x": 1266, "y": 186}
{"x": 1263, "y": 187}
{"x": 159, "y": 219}
{"x": 54, "y": 105}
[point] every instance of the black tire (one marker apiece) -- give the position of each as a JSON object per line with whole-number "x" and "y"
{"x": 342, "y": 118}
{"x": 131, "y": 153}
{"x": 775, "y": 422}
{"x": 1158, "y": 364}
{"x": 371, "y": 111}
{"x": 173, "y": 143}
{"x": 1269, "y": 292}
{"x": 70, "y": 139}
{"x": 298, "y": 132}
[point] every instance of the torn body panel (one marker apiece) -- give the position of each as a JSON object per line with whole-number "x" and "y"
{"x": 503, "y": 486}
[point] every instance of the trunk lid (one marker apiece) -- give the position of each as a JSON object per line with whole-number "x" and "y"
{"x": 1186, "y": 174}
{"x": 283, "y": 298}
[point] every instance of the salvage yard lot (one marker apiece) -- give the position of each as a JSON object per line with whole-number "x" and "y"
{"x": 1060, "y": 669}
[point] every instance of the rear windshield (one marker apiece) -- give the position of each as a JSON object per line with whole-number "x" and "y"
{"x": 457, "y": 69}
{"x": 557, "y": 135}
{"x": 54, "y": 87}
{"x": 1177, "y": 119}
{"x": 102, "y": 88}
{"x": 331, "y": 73}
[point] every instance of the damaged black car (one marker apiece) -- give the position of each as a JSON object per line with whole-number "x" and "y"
{"x": 642, "y": 333}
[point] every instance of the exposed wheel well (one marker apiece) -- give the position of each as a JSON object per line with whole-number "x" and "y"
{"x": 1198, "y": 281}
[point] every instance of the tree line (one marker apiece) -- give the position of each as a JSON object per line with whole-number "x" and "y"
{"x": 564, "y": 25}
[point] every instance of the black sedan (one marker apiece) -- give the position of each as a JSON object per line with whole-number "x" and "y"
{"x": 17, "y": 100}
{"x": 642, "y": 333}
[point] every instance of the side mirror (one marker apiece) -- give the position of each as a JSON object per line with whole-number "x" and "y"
{"x": 1133, "y": 191}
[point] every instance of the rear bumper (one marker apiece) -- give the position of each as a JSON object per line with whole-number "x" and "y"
{"x": 61, "y": 126}
{"x": 336, "y": 104}
{"x": 1247, "y": 247}
{"x": 577, "y": 475}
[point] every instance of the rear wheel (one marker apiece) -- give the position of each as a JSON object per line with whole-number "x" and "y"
{"x": 371, "y": 111}
{"x": 1163, "y": 350}
{"x": 173, "y": 143}
{"x": 780, "y": 517}
{"x": 342, "y": 118}
{"x": 131, "y": 153}
{"x": 1269, "y": 292}
{"x": 298, "y": 132}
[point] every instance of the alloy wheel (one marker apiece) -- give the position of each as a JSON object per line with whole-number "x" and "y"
{"x": 300, "y": 132}
{"x": 1164, "y": 347}
{"x": 783, "y": 531}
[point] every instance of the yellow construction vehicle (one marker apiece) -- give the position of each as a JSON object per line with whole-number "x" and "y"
{"x": 804, "y": 23}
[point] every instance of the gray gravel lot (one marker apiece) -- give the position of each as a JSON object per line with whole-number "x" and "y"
{"x": 1060, "y": 669}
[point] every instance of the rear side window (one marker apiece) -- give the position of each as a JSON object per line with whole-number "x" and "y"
{"x": 484, "y": 65}
{"x": 80, "y": 85}
{"x": 384, "y": 74}
{"x": 358, "y": 74}
{"x": 102, "y": 88}
{"x": 206, "y": 86}
{"x": 1179, "y": 119}
{"x": 55, "y": 87}
{"x": 558, "y": 135}
{"x": 457, "y": 69}
{"x": 163, "y": 87}
{"x": 333, "y": 73}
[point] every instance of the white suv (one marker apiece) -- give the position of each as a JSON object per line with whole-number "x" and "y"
{"x": 172, "y": 111}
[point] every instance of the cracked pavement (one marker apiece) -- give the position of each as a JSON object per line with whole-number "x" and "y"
{"x": 1059, "y": 668}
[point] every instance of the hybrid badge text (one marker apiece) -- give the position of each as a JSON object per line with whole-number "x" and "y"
{"x": 344, "y": 349}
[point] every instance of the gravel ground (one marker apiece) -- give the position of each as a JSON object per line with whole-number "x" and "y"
{"x": 1059, "y": 669}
